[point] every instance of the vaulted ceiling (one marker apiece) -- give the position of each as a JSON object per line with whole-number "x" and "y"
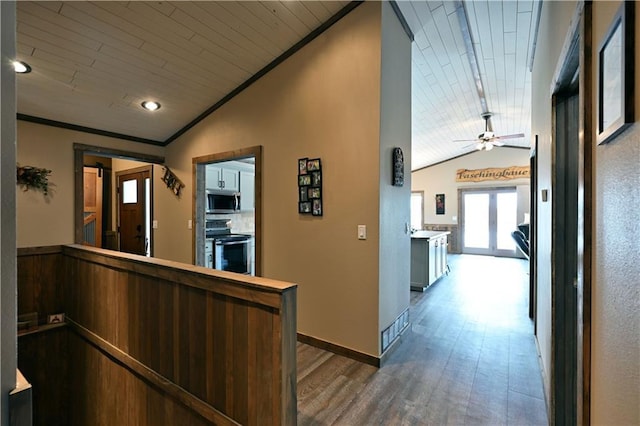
{"x": 93, "y": 63}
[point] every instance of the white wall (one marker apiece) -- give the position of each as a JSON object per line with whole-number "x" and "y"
{"x": 441, "y": 179}
{"x": 615, "y": 322}
{"x": 323, "y": 101}
{"x": 8, "y": 306}
{"x": 52, "y": 148}
{"x": 395, "y": 131}
{"x": 554, "y": 24}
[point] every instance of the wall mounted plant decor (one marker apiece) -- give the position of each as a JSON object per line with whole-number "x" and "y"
{"x": 34, "y": 178}
{"x": 172, "y": 181}
{"x": 310, "y": 186}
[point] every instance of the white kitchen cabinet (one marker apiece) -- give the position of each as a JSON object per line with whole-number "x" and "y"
{"x": 247, "y": 191}
{"x": 428, "y": 258}
{"x": 222, "y": 178}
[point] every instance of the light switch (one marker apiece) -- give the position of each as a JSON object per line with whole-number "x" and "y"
{"x": 189, "y": 224}
{"x": 362, "y": 232}
{"x": 454, "y": 219}
{"x": 154, "y": 224}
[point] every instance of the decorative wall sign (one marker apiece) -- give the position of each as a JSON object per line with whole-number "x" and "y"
{"x": 398, "y": 167}
{"x": 500, "y": 173}
{"x": 615, "y": 75}
{"x": 310, "y": 186}
{"x": 439, "y": 203}
{"x": 172, "y": 181}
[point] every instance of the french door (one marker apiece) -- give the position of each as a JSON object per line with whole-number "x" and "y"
{"x": 489, "y": 216}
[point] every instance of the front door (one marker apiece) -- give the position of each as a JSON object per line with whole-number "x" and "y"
{"x": 488, "y": 219}
{"x": 133, "y": 204}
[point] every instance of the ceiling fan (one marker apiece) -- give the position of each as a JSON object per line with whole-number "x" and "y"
{"x": 487, "y": 139}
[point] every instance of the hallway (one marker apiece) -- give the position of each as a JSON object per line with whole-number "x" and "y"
{"x": 469, "y": 358}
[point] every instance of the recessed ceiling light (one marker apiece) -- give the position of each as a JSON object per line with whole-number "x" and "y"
{"x": 150, "y": 105}
{"x": 21, "y": 67}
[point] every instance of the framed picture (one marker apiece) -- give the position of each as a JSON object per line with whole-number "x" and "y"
{"x": 439, "y": 203}
{"x": 304, "y": 180}
{"x": 316, "y": 209}
{"x": 304, "y": 207}
{"x": 316, "y": 178}
{"x": 615, "y": 75}
{"x": 313, "y": 164}
{"x": 303, "y": 194}
{"x": 314, "y": 193}
{"x": 302, "y": 166}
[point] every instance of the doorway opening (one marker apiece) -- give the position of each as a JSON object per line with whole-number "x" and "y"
{"x": 489, "y": 216}
{"x": 227, "y": 214}
{"x": 100, "y": 210}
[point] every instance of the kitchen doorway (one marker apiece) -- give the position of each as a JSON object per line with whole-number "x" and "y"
{"x": 221, "y": 177}
{"x": 489, "y": 216}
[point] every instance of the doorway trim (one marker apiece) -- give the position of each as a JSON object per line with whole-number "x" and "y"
{"x": 576, "y": 62}
{"x": 198, "y": 214}
{"x": 79, "y": 151}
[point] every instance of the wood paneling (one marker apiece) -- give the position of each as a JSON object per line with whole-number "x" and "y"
{"x": 39, "y": 281}
{"x": 43, "y": 358}
{"x": 152, "y": 340}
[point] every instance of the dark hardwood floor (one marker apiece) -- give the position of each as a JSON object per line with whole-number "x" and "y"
{"x": 468, "y": 358}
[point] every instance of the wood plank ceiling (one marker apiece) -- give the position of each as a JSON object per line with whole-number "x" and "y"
{"x": 95, "y": 62}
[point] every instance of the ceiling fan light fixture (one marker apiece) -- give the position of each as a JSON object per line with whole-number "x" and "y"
{"x": 21, "y": 67}
{"x": 480, "y": 146}
{"x": 151, "y": 105}
{"x": 488, "y": 146}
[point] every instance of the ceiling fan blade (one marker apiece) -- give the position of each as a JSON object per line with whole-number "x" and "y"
{"x": 465, "y": 140}
{"x": 514, "y": 136}
{"x": 475, "y": 145}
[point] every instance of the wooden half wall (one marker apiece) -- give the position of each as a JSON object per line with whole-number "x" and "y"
{"x": 157, "y": 342}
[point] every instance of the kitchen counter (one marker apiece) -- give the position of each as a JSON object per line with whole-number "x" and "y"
{"x": 428, "y": 258}
{"x": 427, "y": 235}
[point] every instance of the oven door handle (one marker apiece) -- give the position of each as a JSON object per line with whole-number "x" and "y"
{"x": 229, "y": 243}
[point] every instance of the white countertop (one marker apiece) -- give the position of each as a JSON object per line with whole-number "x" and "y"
{"x": 426, "y": 235}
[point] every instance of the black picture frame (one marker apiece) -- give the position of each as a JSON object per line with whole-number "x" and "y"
{"x": 314, "y": 193}
{"x": 310, "y": 186}
{"x": 316, "y": 178}
{"x": 316, "y": 207}
{"x": 304, "y": 180}
{"x": 304, "y": 207}
{"x": 313, "y": 164}
{"x": 302, "y": 166}
{"x": 440, "y": 204}
{"x": 616, "y": 75}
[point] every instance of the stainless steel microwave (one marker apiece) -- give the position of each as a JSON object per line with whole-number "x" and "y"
{"x": 220, "y": 201}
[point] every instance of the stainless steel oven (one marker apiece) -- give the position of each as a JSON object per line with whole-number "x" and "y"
{"x": 226, "y": 251}
{"x": 232, "y": 253}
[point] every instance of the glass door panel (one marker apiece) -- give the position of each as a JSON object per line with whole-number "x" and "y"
{"x": 476, "y": 220}
{"x": 507, "y": 213}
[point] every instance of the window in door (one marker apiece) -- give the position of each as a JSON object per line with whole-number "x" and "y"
{"x": 488, "y": 219}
